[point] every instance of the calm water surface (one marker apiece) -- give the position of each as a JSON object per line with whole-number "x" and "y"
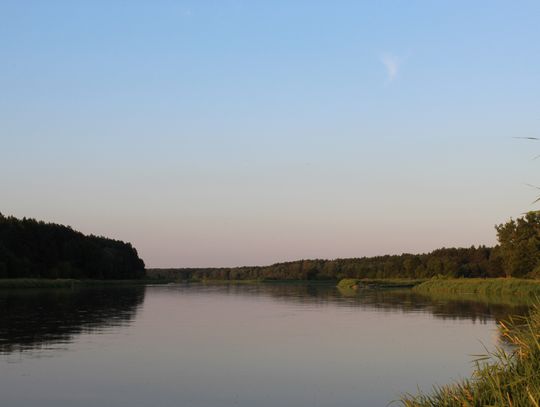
{"x": 233, "y": 345}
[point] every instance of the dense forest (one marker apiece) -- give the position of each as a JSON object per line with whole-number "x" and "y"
{"x": 33, "y": 249}
{"x": 516, "y": 255}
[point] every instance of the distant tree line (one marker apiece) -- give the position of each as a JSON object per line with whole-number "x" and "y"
{"x": 34, "y": 249}
{"x": 463, "y": 262}
{"x": 517, "y": 255}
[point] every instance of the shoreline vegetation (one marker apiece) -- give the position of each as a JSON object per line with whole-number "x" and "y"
{"x": 356, "y": 283}
{"x": 501, "y": 378}
{"x": 492, "y": 291}
{"x": 509, "y": 291}
{"x": 481, "y": 287}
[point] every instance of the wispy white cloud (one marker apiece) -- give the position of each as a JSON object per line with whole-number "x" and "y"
{"x": 392, "y": 64}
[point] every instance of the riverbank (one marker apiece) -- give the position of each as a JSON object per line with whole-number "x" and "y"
{"x": 11, "y": 283}
{"x": 507, "y": 379}
{"x": 346, "y": 283}
{"x": 480, "y": 287}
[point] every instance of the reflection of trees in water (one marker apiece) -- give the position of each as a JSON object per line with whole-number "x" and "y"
{"x": 390, "y": 300}
{"x": 30, "y": 319}
{"x": 382, "y": 300}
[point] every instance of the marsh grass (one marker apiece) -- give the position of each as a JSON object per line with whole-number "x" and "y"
{"x": 482, "y": 288}
{"x": 489, "y": 298}
{"x": 501, "y": 378}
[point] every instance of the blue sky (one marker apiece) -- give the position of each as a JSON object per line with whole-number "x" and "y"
{"x": 236, "y": 132}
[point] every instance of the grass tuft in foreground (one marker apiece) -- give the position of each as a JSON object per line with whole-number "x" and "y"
{"x": 502, "y": 378}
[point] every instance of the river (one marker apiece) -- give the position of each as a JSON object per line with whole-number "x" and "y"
{"x": 266, "y": 345}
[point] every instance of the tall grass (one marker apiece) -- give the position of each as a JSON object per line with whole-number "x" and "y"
{"x": 479, "y": 286}
{"x": 501, "y": 378}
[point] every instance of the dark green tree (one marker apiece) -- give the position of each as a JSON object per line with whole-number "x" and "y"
{"x": 29, "y": 248}
{"x": 519, "y": 245}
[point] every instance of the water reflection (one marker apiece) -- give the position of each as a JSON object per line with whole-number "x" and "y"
{"x": 235, "y": 345}
{"x": 31, "y": 319}
{"x": 453, "y": 307}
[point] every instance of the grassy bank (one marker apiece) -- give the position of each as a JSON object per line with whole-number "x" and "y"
{"x": 69, "y": 283}
{"x": 481, "y": 288}
{"x": 354, "y": 283}
{"x": 507, "y": 379}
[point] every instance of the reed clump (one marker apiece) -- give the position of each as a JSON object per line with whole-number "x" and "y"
{"x": 501, "y": 378}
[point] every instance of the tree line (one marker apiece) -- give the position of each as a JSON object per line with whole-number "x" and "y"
{"x": 35, "y": 249}
{"x": 516, "y": 255}
{"x": 462, "y": 262}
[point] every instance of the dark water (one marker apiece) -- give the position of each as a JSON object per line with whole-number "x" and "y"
{"x": 234, "y": 345}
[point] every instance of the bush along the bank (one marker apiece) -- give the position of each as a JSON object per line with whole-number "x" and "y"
{"x": 502, "y": 378}
{"x": 33, "y": 249}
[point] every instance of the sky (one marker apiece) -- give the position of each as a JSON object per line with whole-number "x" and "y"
{"x": 225, "y": 133}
